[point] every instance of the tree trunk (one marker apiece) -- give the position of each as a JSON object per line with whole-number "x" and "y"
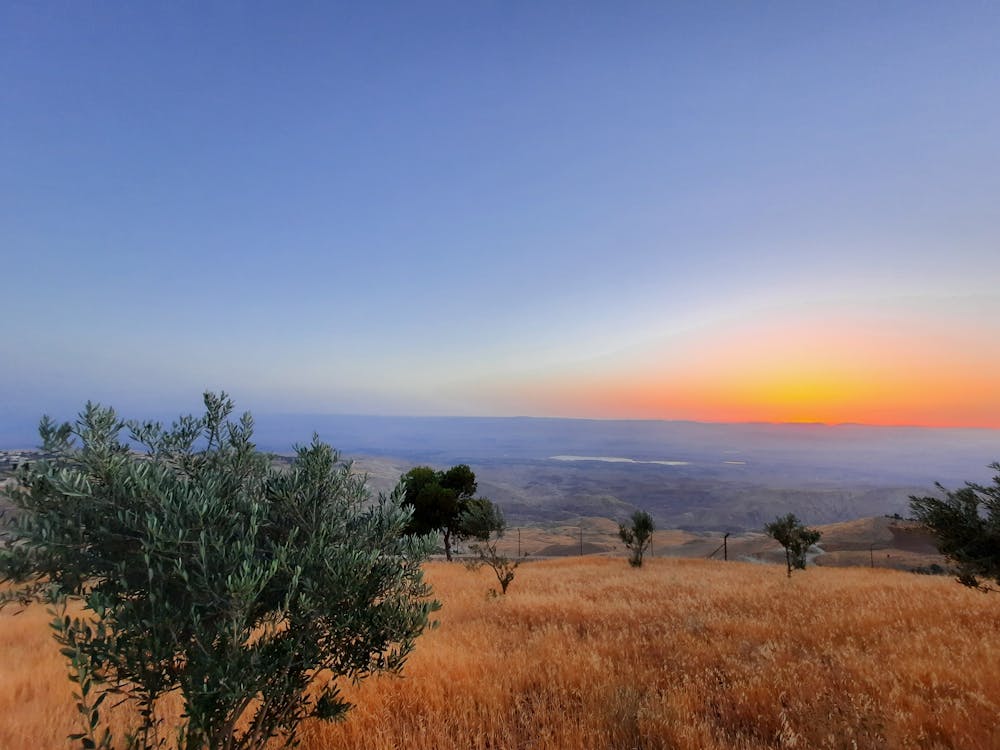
{"x": 447, "y": 544}
{"x": 788, "y": 562}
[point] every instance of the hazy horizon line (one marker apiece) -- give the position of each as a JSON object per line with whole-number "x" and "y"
{"x": 11, "y": 441}
{"x": 720, "y": 423}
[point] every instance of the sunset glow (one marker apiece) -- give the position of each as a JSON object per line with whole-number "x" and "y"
{"x": 763, "y": 211}
{"x": 883, "y": 370}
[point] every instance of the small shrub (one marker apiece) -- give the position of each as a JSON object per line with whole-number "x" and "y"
{"x": 484, "y": 522}
{"x": 791, "y": 534}
{"x": 638, "y": 536}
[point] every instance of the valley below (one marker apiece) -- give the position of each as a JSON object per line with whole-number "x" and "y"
{"x": 565, "y": 484}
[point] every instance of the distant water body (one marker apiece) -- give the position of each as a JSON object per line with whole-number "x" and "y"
{"x": 618, "y": 460}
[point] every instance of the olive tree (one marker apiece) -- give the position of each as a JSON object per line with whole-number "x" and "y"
{"x": 637, "y": 535}
{"x": 484, "y": 522}
{"x": 791, "y": 534}
{"x": 966, "y": 523}
{"x": 205, "y": 571}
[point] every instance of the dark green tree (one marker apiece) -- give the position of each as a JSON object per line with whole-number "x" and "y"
{"x": 484, "y": 522}
{"x": 966, "y": 523}
{"x": 433, "y": 506}
{"x": 461, "y": 480}
{"x": 791, "y": 534}
{"x": 438, "y": 500}
{"x": 206, "y": 572}
{"x": 637, "y": 535}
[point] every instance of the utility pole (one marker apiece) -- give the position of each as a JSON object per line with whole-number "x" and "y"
{"x": 871, "y": 552}
{"x": 581, "y": 541}
{"x": 518, "y": 541}
{"x": 725, "y": 546}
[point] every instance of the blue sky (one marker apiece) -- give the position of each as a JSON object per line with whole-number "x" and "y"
{"x": 431, "y": 208}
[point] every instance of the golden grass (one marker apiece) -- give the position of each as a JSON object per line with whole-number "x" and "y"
{"x": 588, "y": 653}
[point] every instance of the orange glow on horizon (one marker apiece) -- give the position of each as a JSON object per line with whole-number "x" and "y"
{"x": 870, "y": 370}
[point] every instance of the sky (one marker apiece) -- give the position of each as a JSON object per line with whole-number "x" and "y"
{"x": 761, "y": 211}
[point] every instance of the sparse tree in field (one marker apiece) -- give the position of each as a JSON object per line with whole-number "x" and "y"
{"x": 791, "y": 534}
{"x": 438, "y": 500}
{"x": 966, "y": 523}
{"x": 483, "y": 521}
{"x": 637, "y": 535}
{"x": 205, "y": 572}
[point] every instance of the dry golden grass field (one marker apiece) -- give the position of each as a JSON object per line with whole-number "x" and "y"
{"x": 588, "y": 653}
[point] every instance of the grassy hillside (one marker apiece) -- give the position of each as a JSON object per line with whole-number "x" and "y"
{"x": 588, "y": 653}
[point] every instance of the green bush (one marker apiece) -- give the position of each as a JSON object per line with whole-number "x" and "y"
{"x": 637, "y": 535}
{"x": 483, "y": 521}
{"x": 207, "y": 572}
{"x": 966, "y": 523}
{"x": 791, "y": 534}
